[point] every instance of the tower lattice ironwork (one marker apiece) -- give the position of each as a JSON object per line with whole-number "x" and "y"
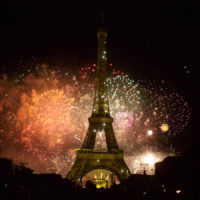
{"x": 88, "y": 158}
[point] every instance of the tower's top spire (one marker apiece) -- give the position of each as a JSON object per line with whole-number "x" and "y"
{"x": 102, "y": 19}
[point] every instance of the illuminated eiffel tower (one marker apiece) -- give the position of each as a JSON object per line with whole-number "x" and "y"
{"x": 90, "y": 157}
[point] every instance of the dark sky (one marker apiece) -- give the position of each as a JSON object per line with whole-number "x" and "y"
{"x": 151, "y": 39}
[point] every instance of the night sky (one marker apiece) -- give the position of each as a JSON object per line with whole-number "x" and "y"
{"x": 150, "y": 40}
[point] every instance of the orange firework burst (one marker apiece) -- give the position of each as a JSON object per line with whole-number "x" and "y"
{"x": 47, "y": 116}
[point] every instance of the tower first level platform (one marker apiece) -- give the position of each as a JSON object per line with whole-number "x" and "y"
{"x": 88, "y": 160}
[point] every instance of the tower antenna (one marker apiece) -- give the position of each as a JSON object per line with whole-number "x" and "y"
{"x": 102, "y": 18}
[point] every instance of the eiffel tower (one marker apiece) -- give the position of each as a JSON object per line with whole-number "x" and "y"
{"x": 89, "y": 158}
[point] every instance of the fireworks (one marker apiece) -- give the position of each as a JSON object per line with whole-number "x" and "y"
{"x": 164, "y": 127}
{"x": 124, "y": 120}
{"x": 145, "y": 161}
{"x": 149, "y": 159}
{"x": 163, "y": 105}
{"x": 44, "y": 116}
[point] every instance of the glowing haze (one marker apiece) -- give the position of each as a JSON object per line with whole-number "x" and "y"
{"x": 44, "y": 116}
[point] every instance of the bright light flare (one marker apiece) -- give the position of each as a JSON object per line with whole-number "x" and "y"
{"x": 178, "y": 191}
{"x": 145, "y": 160}
{"x": 150, "y": 132}
{"x": 149, "y": 159}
